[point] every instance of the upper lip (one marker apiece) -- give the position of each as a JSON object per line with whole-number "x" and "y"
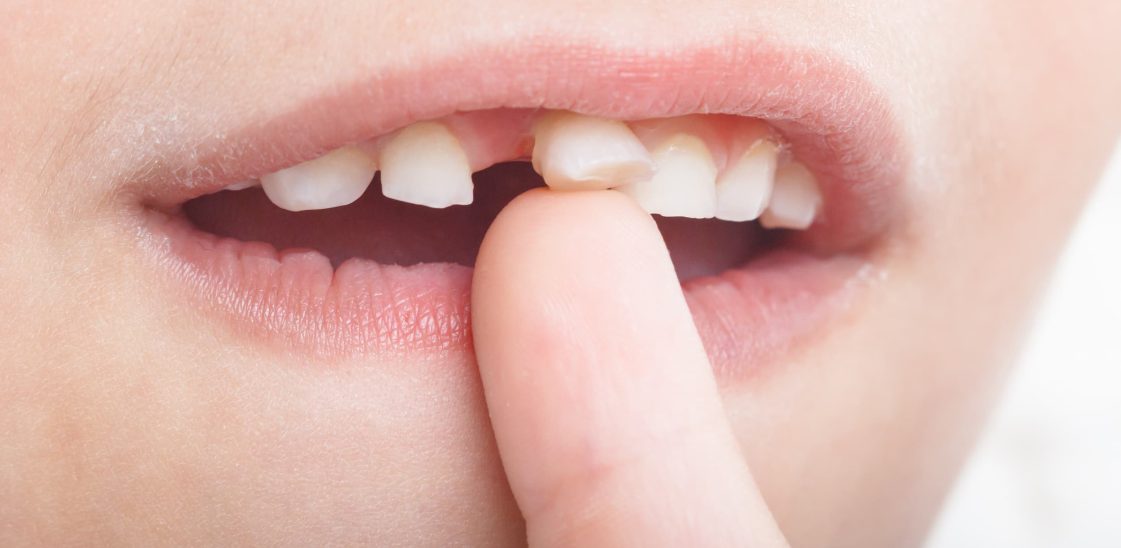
{"x": 838, "y": 123}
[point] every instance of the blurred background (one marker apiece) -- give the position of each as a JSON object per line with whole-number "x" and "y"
{"x": 1047, "y": 473}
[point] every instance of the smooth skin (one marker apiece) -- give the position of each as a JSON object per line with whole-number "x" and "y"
{"x": 130, "y": 416}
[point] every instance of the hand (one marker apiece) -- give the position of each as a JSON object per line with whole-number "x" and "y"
{"x": 603, "y": 401}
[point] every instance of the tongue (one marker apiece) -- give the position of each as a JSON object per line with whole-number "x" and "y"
{"x": 392, "y": 232}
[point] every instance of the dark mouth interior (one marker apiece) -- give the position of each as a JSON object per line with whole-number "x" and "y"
{"x": 392, "y": 232}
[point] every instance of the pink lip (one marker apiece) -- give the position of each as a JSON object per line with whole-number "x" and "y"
{"x": 835, "y": 120}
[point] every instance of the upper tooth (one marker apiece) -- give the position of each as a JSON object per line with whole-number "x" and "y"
{"x": 743, "y": 190}
{"x": 425, "y": 164}
{"x": 576, "y": 152}
{"x": 332, "y": 180}
{"x": 684, "y": 184}
{"x": 795, "y": 200}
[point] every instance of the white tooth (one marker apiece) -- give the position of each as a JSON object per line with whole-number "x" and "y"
{"x": 743, "y": 190}
{"x": 424, "y": 164}
{"x": 684, "y": 184}
{"x": 576, "y": 152}
{"x": 795, "y": 200}
{"x": 241, "y": 186}
{"x": 332, "y": 180}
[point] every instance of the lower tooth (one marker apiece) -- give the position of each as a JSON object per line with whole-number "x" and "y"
{"x": 425, "y": 164}
{"x": 684, "y": 184}
{"x": 743, "y": 190}
{"x": 335, "y": 179}
{"x": 795, "y": 200}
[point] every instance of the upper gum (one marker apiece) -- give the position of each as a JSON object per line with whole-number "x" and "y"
{"x": 491, "y": 137}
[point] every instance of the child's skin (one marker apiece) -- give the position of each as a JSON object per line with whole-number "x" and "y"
{"x": 129, "y": 416}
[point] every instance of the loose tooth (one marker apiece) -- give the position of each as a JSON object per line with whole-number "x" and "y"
{"x": 684, "y": 184}
{"x": 332, "y": 180}
{"x": 576, "y": 152}
{"x": 795, "y": 199}
{"x": 425, "y": 164}
{"x": 744, "y": 189}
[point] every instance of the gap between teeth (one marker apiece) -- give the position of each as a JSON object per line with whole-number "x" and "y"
{"x": 672, "y": 170}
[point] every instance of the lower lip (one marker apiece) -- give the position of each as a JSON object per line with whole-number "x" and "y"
{"x": 295, "y": 300}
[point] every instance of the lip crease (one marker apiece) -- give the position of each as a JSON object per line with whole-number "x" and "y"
{"x": 835, "y": 121}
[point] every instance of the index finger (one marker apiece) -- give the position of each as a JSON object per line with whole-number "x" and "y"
{"x": 603, "y": 402}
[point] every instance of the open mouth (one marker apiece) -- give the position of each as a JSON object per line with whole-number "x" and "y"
{"x": 774, "y": 180}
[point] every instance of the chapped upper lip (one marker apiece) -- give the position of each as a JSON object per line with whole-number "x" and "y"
{"x": 837, "y": 123}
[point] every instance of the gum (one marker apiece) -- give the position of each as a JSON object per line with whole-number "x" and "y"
{"x": 491, "y": 137}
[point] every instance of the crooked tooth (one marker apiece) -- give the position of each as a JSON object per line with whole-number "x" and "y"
{"x": 332, "y": 180}
{"x": 684, "y": 183}
{"x": 795, "y": 200}
{"x": 577, "y": 152}
{"x": 744, "y": 189}
{"x": 425, "y": 164}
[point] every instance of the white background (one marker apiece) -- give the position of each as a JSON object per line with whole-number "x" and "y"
{"x": 1048, "y": 471}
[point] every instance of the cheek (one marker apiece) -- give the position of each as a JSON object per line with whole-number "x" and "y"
{"x": 216, "y": 446}
{"x": 393, "y": 451}
{"x": 876, "y": 419}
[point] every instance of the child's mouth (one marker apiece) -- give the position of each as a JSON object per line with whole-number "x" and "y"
{"x": 776, "y": 178}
